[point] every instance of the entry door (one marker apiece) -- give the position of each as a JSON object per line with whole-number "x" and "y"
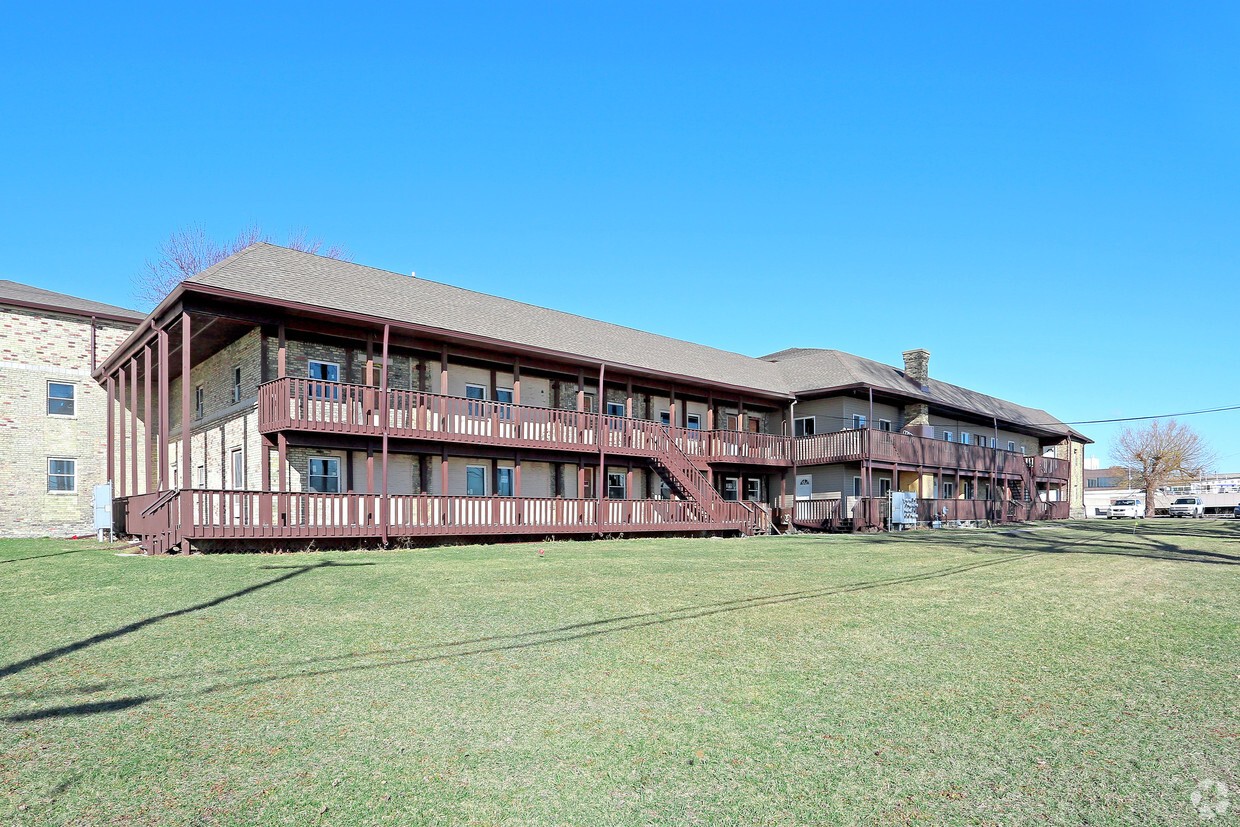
{"x": 805, "y": 486}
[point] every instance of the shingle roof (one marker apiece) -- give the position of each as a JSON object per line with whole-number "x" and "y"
{"x": 809, "y": 369}
{"x": 24, "y": 294}
{"x": 286, "y": 275}
{"x": 277, "y": 273}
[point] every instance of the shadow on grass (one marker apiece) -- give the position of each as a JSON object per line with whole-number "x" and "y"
{"x": 41, "y": 556}
{"x": 78, "y": 709}
{"x": 130, "y": 628}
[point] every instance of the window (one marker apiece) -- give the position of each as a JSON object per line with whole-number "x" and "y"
{"x": 200, "y": 476}
{"x": 478, "y": 392}
{"x": 503, "y": 481}
{"x": 665, "y": 419}
{"x": 236, "y": 464}
{"x": 856, "y": 486}
{"x": 730, "y": 487}
{"x": 325, "y": 475}
{"x": 615, "y": 409}
{"x": 61, "y": 399}
{"x": 981, "y": 440}
{"x": 1022, "y": 449}
{"x": 324, "y": 371}
{"x": 884, "y": 424}
{"x": 62, "y": 475}
{"x": 198, "y": 402}
{"x": 994, "y": 443}
{"x": 754, "y": 426}
{"x": 987, "y": 490}
{"x": 947, "y": 436}
{"x": 236, "y": 384}
{"x": 503, "y": 395}
{"x": 803, "y": 426}
{"x": 476, "y": 480}
{"x": 1011, "y": 445}
{"x": 587, "y": 488}
{"x": 615, "y": 486}
{"x": 665, "y": 492}
{"x": 965, "y": 438}
{"x": 694, "y": 422}
{"x": 587, "y": 403}
{"x": 733, "y": 422}
{"x": 949, "y": 490}
{"x": 753, "y": 489}
{"x": 968, "y": 489}
{"x": 858, "y": 421}
{"x": 884, "y": 488}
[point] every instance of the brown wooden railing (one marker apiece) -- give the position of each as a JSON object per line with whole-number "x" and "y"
{"x": 818, "y": 513}
{"x": 154, "y": 516}
{"x": 1052, "y": 467}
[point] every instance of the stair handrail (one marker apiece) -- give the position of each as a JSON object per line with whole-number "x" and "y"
{"x": 160, "y": 502}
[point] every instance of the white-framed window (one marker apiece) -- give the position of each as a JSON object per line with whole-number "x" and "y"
{"x": 968, "y": 489}
{"x": 61, "y": 475}
{"x": 473, "y": 391}
{"x": 965, "y": 438}
{"x": 324, "y": 477}
{"x": 504, "y": 395}
{"x": 693, "y": 422}
{"x": 994, "y": 443}
{"x": 949, "y": 490}
{"x": 476, "y": 480}
{"x": 987, "y": 490}
{"x": 884, "y": 487}
{"x": 1011, "y": 445}
{"x": 199, "y": 401}
{"x": 665, "y": 418}
{"x": 803, "y": 426}
{"x": 504, "y": 481}
{"x": 753, "y": 489}
{"x": 858, "y": 421}
{"x": 323, "y": 371}
{"x": 587, "y": 403}
{"x": 947, "y": 436}
{"x": 61, "y": 399}
{"x": 1022, "y": 449}
{"x": 884, "y": 424}
{"x": 200, "y": 476}
{"x": 237, "y": 384}
{"x": 731, "y": 488}
{"x": 981, "y": 440}
{"x": 615, "y": 409}
{"x": 615, "y": 485}
{"x": 236, "y": 467}
{"x": 856, "y": 486}
{"x": 174, "y": 473}
{"x": 665, "y": 491}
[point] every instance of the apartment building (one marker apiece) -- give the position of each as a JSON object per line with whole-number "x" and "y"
{"x": 291, "y": 397}
{"x": 53, "y": 415}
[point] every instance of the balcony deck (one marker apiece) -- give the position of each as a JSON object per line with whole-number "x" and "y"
{"x": 339, "y": 408}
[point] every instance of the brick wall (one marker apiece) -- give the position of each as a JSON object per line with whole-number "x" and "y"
{"x": 37, "y": 347}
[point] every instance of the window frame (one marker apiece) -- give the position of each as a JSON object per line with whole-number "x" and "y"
{"x": 947, "y": 436}
{"x": 798, "y": 425}
{"x": 236, "y": 455}
{"x": 72, "y": 400}
{"x": 756, "y": 495}
{"x": 884, "y": 425}
{"x": 200, "y": 401}
{"x": 693, "y": 422}
{"x": 499, "y": 392}
{"x": 857, "y": 489}
{"x": 329, "y": 462}
{"x": 949, "y": 490}
{"x": 72, "y": 477}
{"x": 621, "y": 486}
{"x": 236, "y": 384}
{"x": 623, "y": 408}
{"x": 665, "y": 419}
{"x": 310, "y": 363}
{"x": 1012, "y": 445}
{"x": 966, "y": 438}
{"x": 736, "y": 489}
{"x": 858, "y": 421}
{"x": 884, "y": 487}
{"x": 485, "y": 480}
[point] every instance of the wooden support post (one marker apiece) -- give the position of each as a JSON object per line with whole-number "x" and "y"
{"x": 710, "y": 410}
{"x": 383, "y": 420}
{"x": 111, "y": 383}
{"x": 281, "y": 353}
{"x": 443, "y": 471}
{"x": 516, "y": 476}
{"x": 165, "y": 411}
{"x": 187, "y": 411}
{"x": 581, "y": 389}
{"x": 264, "y": 453}
{"x": 516, "y": 382}
{"x": 443, "y": 372}
{"x": 133, "y": 425}
{"x": 601, "y": 481}
{"x": 148, "y": 443}
{"x": 628, "y": 398}
{"x": 671, "y": 407}
{"x": 122, "y": 489}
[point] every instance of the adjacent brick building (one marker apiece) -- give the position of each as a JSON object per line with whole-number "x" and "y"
{"x": 53, "y": 415}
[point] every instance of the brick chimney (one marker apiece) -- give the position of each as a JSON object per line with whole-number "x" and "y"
{"x": 917, "y": 371}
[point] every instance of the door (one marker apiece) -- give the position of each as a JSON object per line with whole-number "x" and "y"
{"x": 805, "y": 486}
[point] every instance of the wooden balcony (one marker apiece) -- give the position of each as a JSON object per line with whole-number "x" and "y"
{"x": 338, "y": 408}
{"x": 165, "y": 518}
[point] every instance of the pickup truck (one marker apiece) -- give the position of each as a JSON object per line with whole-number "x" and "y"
{"x": 1125, "y": 508}
{"x": 1187, "y": 507}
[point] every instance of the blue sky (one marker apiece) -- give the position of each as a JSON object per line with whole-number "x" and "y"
{"x": 1044, "y": 195}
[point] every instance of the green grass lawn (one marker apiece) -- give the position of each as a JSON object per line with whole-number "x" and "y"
{"x": 1081, "y": 674}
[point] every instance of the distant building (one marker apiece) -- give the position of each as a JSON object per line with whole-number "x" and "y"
{"x": 1113, "y": 477}
{"x": 53, "y": 415}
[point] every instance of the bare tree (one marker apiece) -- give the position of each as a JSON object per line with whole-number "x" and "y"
{"x": 189, "y": 251}
{"x": 1160, "y": 453}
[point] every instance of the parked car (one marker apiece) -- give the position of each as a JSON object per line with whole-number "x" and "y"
{"x": 1187, "y": 507}
{"x": 1125, "y": 508}
{"x": 1236, "y": 513}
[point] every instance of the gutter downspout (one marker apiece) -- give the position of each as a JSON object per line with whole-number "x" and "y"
{"x": 792, "y": 449}
{"x": 601, "y": 479}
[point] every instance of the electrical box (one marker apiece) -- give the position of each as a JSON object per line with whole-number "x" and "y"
{"x": 903, "y": 508}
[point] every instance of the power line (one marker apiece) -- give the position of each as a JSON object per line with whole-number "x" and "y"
{"x": 1157, "y": 416}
